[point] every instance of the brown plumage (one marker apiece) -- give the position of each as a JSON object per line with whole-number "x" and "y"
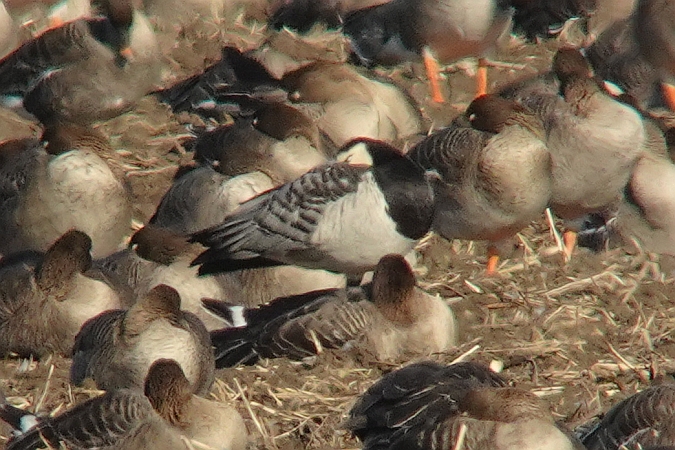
{"x": 160, "y": 256}
{"x": 430, "y": 406}
{"x": 67, "y": 184}
{"x": 655, "y": 30}
{"x": 279, "y": 141}
{"x": 594, "y": 139}
{"x": 643, "y": 420}
{"x": 117, "y": 348}
{"x": 346, "y": 104}
{"x": 203, "y": 421}
{"x": 77, "y": 72}
{"x": 166, "y": 415}
{"x": 45, "y": 299}
{"x": 495, "y": 171}
{"x": 389, "y": 318}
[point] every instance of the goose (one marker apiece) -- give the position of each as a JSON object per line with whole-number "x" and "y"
{"x": 62, "y": 185}
{"x": 495, "y": 172}
{"x": 594, "y": 140}
{"x": 116, "y": 348}
{"x": 277, "y": 140}
{"x": 616, "y": 57}
{"x": 45, "y": 298}
{"x": 159, "y": 256}
{"x": 346, "y": 104}
{"x": 123, "y": 419}
{"x": 465, "y": 405}
{"x": 165, "y": 414}
{"x": 443, "y": 30}
{"x": 655, "y": 30}
{"x": 649, "y": 204}
{"x": 203, "y": 198}
{"x": 340, "y": 217}
{"x": 236, "y": 82}
{"x": 389, "y": 318}
{"x": 205, "y": 422}
{"x": 643, "y": 420}
{"x": 79, "y": 72}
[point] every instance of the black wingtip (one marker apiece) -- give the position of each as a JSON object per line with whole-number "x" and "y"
{"x": 208, "y": 266}
{"x": 233, "y": 347}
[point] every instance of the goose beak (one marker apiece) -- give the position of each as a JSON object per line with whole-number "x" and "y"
{"x": 669, "y": 95}
{"x": 55, "y": 22}
{"x": 127, "y": 53}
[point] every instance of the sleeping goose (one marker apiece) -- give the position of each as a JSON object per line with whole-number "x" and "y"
{"x": 346, "y": 104}
{"x": 389, "y": 318}
{"x": 643, "y": 420}
{"x": 341, "y": 217}
{"x": 65, "y": 184}
{"x": 464, "y": 405}
{"x": 164, "y": 415}
{"x": 495, "y": 172}
{"x": 122, "y": 419}
{"x": 116, "y": 348}
{"x": 85, "y": 70}
{"x": 277, "y": 140}
{"x": 159, "y": 256}
{"x": 45, "y": 298}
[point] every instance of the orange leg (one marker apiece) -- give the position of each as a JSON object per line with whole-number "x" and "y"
{"x": 570, "y": 241}
{"x": 431, "y": 66}
{"x": 481, "y": 77}
{"x": 669, "y": 95}
{"x": 493, "y": 260}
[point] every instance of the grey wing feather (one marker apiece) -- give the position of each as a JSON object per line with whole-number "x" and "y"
{"x": 653, "y": 408}
{"x": 401, "y": 409}
{"x": 335, "y": 323}
{"x": 54, "y": 48}
{"x": 452, "y": 152}
{"x": 96, "y": 334}
{"x": 100, "y": 422}
{"x": 281, "y": 220}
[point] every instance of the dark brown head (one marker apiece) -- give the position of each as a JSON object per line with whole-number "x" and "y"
{"x": 504, "y": 404}
{"x": 570, "y": 63}
{"x": 168, "y": 390}
{"x": 393, "y": 289}
{"x": 61, "y": 138}
{"x": 162, "y": 302}
{"x": 491, "y": 113}
{"x": 160, "y": 245}
{"x": 69, "y": 255}
{"x": 282, "y": 121}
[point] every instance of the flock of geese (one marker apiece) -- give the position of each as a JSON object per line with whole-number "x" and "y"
{"x": 310, "y": 184}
